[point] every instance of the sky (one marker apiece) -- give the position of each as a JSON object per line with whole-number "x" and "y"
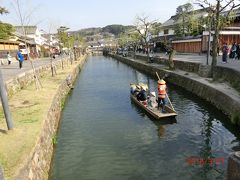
{"x": 78, "y": 14}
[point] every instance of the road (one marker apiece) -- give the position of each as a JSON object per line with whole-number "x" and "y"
{"x": 233, "y": 64}
{"x": 12, "y": 70}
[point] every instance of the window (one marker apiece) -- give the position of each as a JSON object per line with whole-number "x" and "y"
{"x": 165, "y": 31}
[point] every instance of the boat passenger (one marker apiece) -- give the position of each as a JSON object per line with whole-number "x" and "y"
{"x": 137, "y": 90}
{"x": 152, "y": 101}
{"x": 162, "y": 94}
{"x": 132, "y": 88}
{"x": 142, "y": 95}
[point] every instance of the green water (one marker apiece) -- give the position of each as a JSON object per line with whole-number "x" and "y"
{"x": 103, "y": 135}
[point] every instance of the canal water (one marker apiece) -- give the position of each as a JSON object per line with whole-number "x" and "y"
{"x": 105, "y": 136}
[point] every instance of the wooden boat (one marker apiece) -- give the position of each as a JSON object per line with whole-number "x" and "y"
{"x": 154, "y": 112}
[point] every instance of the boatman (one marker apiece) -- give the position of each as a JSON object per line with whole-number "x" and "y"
{"x": 162, "y": 94}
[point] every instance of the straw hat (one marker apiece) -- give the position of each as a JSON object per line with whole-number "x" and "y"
{"x": 138, "y": 87}
{"x": 153, "y": 94}
{"x": 161, "y": 81}
{"x": 144, "y": 88}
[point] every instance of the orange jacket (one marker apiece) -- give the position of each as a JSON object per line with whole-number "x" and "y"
{"x": 162, "y": 90}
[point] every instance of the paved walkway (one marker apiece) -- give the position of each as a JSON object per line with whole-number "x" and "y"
{"x": 12, "y": 70}
{"x": 234, "y": 64}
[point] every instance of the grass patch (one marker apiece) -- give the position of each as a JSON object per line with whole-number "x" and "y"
{"x": 29, "y": 109}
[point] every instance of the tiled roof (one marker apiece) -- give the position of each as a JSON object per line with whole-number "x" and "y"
{"x": 28, "y": 29}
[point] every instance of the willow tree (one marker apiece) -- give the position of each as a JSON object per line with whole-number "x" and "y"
{"x": 215, "y": 11}
{"x": 143, "y": 27}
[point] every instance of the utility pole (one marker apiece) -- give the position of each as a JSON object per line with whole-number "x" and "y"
{"x": 5, "y": 105}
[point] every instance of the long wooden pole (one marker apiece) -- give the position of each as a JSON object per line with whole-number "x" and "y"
{"x": 166, "y": 94}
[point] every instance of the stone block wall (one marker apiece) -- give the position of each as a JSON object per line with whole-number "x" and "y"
{"x": 229, "y": 75}
{"x": 234, "y": 166}
{"x": 1, "y": 173}
{"x": 23, "y": 80}
{"x": 182, "y": 65}
{"x": 38, "y": 164}
{"x": 39, "y": 161}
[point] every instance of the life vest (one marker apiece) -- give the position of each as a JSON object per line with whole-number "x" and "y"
{"x": 162, "y": 90}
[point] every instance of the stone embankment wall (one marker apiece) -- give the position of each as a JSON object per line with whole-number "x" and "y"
{"x": 26, "y": 78}
{"x": 220, "y": 73}
{"x": 229, "y": 75}
{"x": 38, "y": 163}
{"x": 183, "y": 65}
{"x": 1, "y": 173}
{"x": 221, "y": 100}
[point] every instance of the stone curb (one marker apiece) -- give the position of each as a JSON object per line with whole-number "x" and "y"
{"x": 1, "y": 173}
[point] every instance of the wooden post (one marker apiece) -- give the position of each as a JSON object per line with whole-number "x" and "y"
{"x": 5, "y": 105}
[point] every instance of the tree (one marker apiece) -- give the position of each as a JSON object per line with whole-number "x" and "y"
{"x": 183, "y": 16}
{"x": 6, "y": 30}
{"x": 218, "y": 21}
{"x": 129, "y": 39}
{"x": 156, "y": 28}
{"x": 24, "y": 19}
{"x": 143, "y": 26}
{"x": 3, "y": 10}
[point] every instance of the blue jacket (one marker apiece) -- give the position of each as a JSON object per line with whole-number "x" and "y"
{"x": 20, "y": 56}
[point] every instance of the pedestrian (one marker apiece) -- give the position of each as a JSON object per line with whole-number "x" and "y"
{"x": 162, "y": 94}
{"x": 233, "y": 50}
{"x": 225, "y": 53}
{"x": 20, "y": 58}
{"x": 238, "y": 51}
{"x": 9, "y": 58}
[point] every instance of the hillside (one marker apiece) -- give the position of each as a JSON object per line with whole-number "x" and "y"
{"x": 114, "y": 29}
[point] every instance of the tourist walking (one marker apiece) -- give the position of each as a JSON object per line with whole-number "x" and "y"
{"x": 20, "y": 58}
{"x": 233, "y": 51}
{"x": 225, "y": 53}
{"x": 9, "y": 58}
{"x": 238, "y": 51}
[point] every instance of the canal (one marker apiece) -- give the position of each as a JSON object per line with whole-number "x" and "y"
{"x": 103, "y": 135}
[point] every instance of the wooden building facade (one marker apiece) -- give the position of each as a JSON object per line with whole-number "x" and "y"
{"x": 188, "y": 45}
{"x": 8, "y": 46}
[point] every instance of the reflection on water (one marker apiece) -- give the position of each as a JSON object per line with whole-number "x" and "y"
{"x": 103, "y": 135}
